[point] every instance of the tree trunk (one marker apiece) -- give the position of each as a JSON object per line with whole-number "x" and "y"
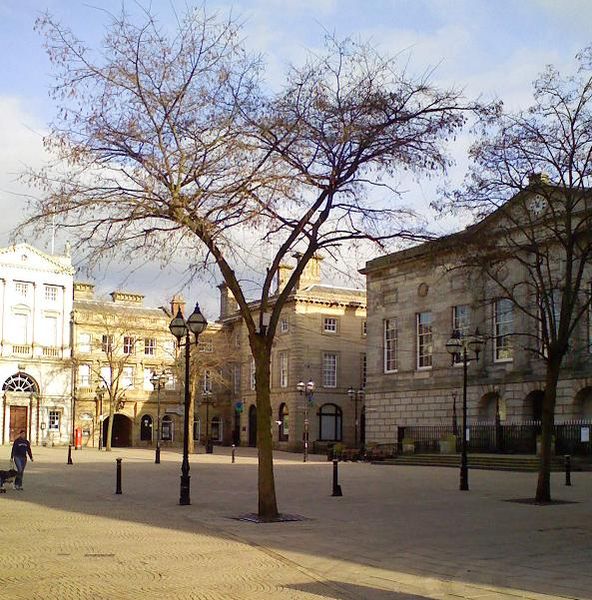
{"x": 107, "y": 442}
{"x": 543, "y": 492}
{"x": 267, "y": 498}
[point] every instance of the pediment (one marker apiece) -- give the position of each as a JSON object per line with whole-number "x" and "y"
{"x": 27, "y": 257}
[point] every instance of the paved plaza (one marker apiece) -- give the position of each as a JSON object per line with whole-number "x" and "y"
{"x": 397, "y": 533}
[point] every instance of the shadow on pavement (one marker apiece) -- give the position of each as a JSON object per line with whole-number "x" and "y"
{"x": 339, "y": 590}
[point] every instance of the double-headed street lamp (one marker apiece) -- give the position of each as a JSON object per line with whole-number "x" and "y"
{"x": 158, "y": 380}
{"x": 180, "y": 328}
{"x": 308, "y": 390}
{"x": 458, "y": 347}
{"x": 100, "y": 391}
{"x": 356, "y": 396}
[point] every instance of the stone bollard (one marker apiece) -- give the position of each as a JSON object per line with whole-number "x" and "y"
{"x": 567, "y": 469}
{"x": 336, "y": 486}
{"x": 118, "y": 476}
{"x": 70, "y": 454}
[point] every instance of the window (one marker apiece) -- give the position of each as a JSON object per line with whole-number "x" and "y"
{"x": 84, "y": 342}
{"x": 20, "y": 328}
{"x": 503, "y": 325}
{"x": 283, "y": 360}
{"x": 253, "y": 378}
{"x": 149, "y": 346}
{"x": 105, "y": 376}
{"x": 329, "y": 370}
{"x": 216, "y": 429}
{"x": 461, "y": 324}
{"x": 51, "y": 293}
{"x": 390, "y": 346}
{"x": 169, "y": 348}
{"x": 22, "y": 289}
{"x": 424, "y": 340}
{"x": 284, "y": 423}
{"x": 146, "y": 428}
{"x": 205, "y": 345}
{"x": 147, "y": 385}
{"x": 330, "y": 325}
{"x": 330, "y": 423}
{"x": 284, "y": 326}
{"x": 128, "y": 345}
{"x": 50, "y": 330}
{"x": 207, "y": 381}
{"x": 107, "y": 343}
{"x": 21, "y": 382}
{"x": 84, "y": 376}
{"x": 54, "y": 420}
{"x": 127, "y": 378}
{"x": 167, "y": 427}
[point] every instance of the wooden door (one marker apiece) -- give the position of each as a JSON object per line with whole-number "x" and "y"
{"x": 18, "y": 421}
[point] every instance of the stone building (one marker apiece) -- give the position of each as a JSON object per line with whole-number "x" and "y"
{"x": 35, "y": 369}
{"x": 416, "y": 300}
{"x": 321, "y": 338}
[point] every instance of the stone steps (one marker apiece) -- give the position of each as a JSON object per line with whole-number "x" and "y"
{"x": 493, "y": 462}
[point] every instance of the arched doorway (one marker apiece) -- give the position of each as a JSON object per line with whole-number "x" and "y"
{"x": 533, "y": 405}
{"x": 146, "y": 428}
{"x": 583, "y": 403}
{"x": 19, "y": 389}
{"x": 330, "y": 423}
{"x": 253, "y": 426}
{"x": 121, "y": 436}
{"x": 283, "y": 423}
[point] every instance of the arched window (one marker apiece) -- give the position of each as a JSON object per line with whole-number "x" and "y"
{"x": 330, "y": 429}
{"x": 284, "y": 423}
{"x": 21, "y": 382}
{"x": 146, "y": 428}
{"x": 167, "y": 429}
{"x": 216, "y": 428}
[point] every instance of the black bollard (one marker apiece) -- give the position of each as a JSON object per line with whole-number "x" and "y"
{"x": 336, "y": 486}
{"x": 233, "y": 452}
{"x": 118, "y": 477}
{"x": 157, "y": 458}
{"x": 70, "y": 454}
{"x": 567, "y": 469}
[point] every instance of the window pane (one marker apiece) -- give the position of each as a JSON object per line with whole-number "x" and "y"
{"x": 390, "y": 345}
{"x": 503, "y": 328}
{"x": 424, "y": 340}
{"x": 329, "y": 370}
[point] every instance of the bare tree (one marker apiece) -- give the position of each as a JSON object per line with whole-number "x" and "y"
{"x": 533, "y": 169}
{"x": 171, "y": 138}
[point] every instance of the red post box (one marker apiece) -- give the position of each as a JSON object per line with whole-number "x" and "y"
{"x": 78, "y": 438}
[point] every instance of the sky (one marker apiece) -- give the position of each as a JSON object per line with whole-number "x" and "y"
{"x": 489, "y": 48}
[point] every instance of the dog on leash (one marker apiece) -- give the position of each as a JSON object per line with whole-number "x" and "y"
{"x": 6, "y": 476}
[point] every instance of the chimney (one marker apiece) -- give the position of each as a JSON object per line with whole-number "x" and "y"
{"x": 282, "y": 276}
{"x": 127, "y": 298}
{"x": 83, "y": 291}
{"x": 228, "y": 304}
{"x": 312, "y": 271}
{"x": 538, "y": 179}
{"x": 177, "y": 303}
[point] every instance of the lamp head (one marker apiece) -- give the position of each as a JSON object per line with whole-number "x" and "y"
{"x": 196, "y": 321}
{"x": 177, "y": 326}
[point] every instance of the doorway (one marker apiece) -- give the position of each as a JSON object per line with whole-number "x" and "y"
{"x": 253, "y": 426}
{"x": 122, "y": 431}
{"x": 18, "y": 421}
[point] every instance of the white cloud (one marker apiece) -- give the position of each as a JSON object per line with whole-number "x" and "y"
{"x": 22, "y": 146}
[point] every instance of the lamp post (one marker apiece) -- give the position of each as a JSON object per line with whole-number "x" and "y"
{"x": 99, "y": 396}
{"x": 158, "y": 380}
{"x": 308, "y": 390}
{"x": 356, "y": 396}
{"x": 457, "y": 348}
{"x": 180, "y": 328}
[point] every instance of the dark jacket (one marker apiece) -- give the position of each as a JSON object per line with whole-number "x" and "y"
{"x": 21, "y": 448}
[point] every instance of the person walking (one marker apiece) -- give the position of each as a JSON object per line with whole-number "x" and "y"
{"x": 20, "y": 448}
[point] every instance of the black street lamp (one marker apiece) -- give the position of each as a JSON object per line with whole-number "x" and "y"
{"x": 308, "y": 390}
{"x": 195, "y": 324}
{"x": 457, "y": 347}
{"x": 356, "y": 396}
{"x": 100, "y": 391}
{"x": 158, "y": 380}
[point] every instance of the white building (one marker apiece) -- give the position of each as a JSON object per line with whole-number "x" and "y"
{"x": 35, "y": 368}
